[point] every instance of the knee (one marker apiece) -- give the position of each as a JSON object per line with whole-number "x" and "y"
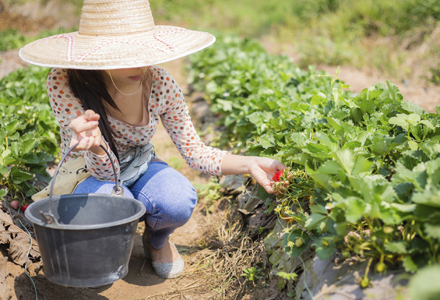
{"x": 179, "y": 204}
{"x": 170, "y": 198}
{"x": 185, "y": 203}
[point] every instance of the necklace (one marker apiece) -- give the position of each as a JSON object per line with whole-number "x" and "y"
{"x": 140, "y": 84}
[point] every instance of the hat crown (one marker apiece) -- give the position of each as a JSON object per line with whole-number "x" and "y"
{"x": 115, "y": 17}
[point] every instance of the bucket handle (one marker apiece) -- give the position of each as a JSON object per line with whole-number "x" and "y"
{"x": 117, "y": 189}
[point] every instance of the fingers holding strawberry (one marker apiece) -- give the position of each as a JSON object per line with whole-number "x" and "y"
{"x": 280, "y": 185}
{"x": 263, "y": 170}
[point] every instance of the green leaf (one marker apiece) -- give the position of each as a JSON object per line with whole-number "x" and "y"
{"x": 413, "y": 145}
{"x": 428, "y": 124}
{"x": 337, "y": 93}
{"x": 362, "y": 165}
{"x": 413, "y": 107}
{"x": 413, "y": 119}
{"x": 399, "y": 122}
{"x": 321, "y": 179}
{"x": 409, "y": 265}
{"x": 3, "y": 169}
{"x": 292, "y": 237}
{"x": 318, "y": 209}
{"x": 18, "y": 176}
{"x": 427, "y": 197}
{"x": 396, "y": 247}
{"x": 13, "y": 126}
{"x": 267, "y": 140}
{"x": 300, "y": 159}
{"x": 225, "y": 104}
{"x": 313, "y": 221}
{"x": 357, "y": 114}
{"x": 424, "y": 285}
{"x": 299, "y": 138}
{"x": 352, "y": 145}
{"x": 355, "y": 209}
{"x": 325, "y": 248}
{"x": 329, "y": 167}
{"x": 254, "y": 150}
{"x": 44, "y": 157}
{"x": 394, "y": 91}
{"x": 432, "y": 231}
{"x": 317, "y": 149}
{"x": 211, "y": 87}
{"x": 380, "y": 148}
{"x": 406, "y": 208}
{"x": 336, "y": 126}
{"x": 30, "y": 158}
{"x": 345, "y": 158}
{"x": 324, "y": 138}
{"x": 317, "y": 99}
{"x": 288, "y": 276}
{"x": 262, "y": 194}
{"x": 3, "y": 192}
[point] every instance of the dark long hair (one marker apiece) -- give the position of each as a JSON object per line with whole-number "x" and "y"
{"x": 89, "y": 87}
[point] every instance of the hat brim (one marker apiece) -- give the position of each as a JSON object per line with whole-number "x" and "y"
{"x": 91, "y": 52}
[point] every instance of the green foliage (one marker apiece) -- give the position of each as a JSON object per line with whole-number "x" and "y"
{"x": 251, "y": 274}
{"x": 12, "y": 39}
{"x": 288, "y": 276}
{"x": 209, "y": 194}
{"x": 366, "y": 33}
{"x": 337, "y": 17}
{"x": 435, "y": 74}
{"x": 364, "y": 172}
{"x": 245, "y": 17}
{"x": 424, "y": 285}
{"x": 29, "y": 133}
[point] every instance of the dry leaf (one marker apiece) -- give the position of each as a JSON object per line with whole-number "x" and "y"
{"x": 18, "y": 241}
{"x": 5, "y": 289}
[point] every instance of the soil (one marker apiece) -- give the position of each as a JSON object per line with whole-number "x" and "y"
{"x": 11, "y": 20}
{"x": 31, "y": 18}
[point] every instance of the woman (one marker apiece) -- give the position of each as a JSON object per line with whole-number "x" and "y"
{"x": 106, "y": 91}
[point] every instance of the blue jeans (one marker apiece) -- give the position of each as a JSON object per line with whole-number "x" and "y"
{"x": 168, "y": 196}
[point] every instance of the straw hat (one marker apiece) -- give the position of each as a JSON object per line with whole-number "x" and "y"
{"x": 115, "y": 34}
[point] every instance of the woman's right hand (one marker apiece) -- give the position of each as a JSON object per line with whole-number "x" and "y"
{"x": 86, "y": 132}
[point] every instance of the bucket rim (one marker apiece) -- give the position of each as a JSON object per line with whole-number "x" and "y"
{"x": 36, "y": 221}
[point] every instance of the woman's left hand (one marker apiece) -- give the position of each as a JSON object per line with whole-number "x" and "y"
{"x": 262, "y": 170}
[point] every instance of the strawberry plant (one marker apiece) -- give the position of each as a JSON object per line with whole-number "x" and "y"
{"x": 364, "y": 173}
{"x": 28, "y": 132}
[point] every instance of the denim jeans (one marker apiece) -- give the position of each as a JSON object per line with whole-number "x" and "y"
{"x": 168, "y": 196}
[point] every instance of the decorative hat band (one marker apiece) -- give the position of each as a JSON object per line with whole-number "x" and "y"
{"x": 115, "y": 34}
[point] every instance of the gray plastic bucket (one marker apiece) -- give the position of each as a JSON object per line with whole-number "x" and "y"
{"x": 87, "y": 241}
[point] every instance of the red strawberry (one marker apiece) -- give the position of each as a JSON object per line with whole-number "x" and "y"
{"x": 24, "y": 207}
{"x": 277, "y": 175}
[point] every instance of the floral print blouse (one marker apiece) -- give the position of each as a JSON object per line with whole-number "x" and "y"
{"x": 166, "y": 103}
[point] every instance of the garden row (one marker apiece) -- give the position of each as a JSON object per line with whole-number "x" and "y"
{"x": 364, "y": 170}
{"x": 29, "y": 133}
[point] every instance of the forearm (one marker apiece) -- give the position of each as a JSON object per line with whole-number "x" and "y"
{"x": 236, "y": 164}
